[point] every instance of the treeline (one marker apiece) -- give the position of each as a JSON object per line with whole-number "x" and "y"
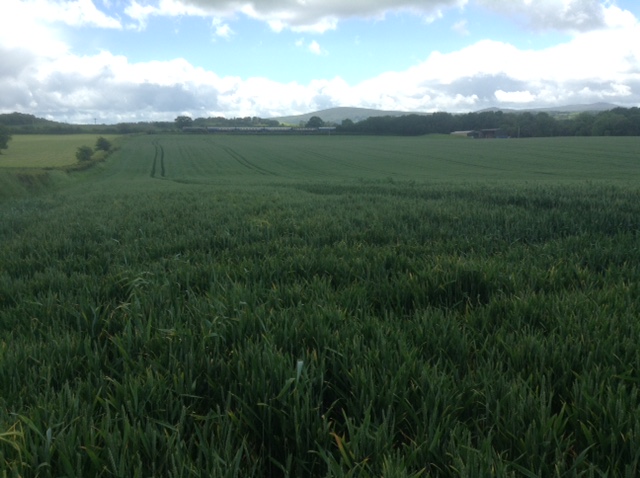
{"x": 249, "y": 121}
{"x": 21, "y": 123}
{"x": 615, "y": 122}
{"x": 219, "y": 121}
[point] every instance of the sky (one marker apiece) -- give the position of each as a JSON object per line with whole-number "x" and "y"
{"x": 112, "y": 61}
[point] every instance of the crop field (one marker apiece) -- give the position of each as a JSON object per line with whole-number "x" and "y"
{"x": 248, "y": 306}
{"x": 337, "y": 159}
{"x": 45, "y": 150}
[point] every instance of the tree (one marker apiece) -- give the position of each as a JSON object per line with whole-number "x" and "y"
{"x": 17, "y": 119}
{"x": 583, "y": 124}
{"x": 5, "y": 137}
{"x": 183, "y": 121}
{"x": 545, "y": 125}
{"x": 609, "y": 123}
{"x": 103, "y": 144}
{"x": 84, "y": 153}
{"x": 315, "y": 122}
{"x": 346, "y": 125}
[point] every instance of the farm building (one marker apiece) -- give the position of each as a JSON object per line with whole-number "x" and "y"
{"x": 466, "y": 134}
{"x": 492, "y": 133}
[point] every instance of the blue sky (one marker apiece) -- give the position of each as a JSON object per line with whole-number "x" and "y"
{"x": 146, "y": 60}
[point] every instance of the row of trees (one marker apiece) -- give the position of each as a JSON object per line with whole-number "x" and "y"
{"x": 249, "y": 121}
{"x": 616, "y": 122}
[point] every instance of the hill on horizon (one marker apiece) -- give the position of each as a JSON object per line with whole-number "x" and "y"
{"x": 340, "y": 113}
{"x": 585, "y": 108}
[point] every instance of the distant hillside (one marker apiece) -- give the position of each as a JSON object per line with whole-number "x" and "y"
{"x": 592, "y": 107}
{"x": 337, "y": 115}
{"x": 21, "y": 123}
{"x": 23, "y": 120}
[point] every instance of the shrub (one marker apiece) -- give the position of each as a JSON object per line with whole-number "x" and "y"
{"x": 84, "y": 153}
{"x": 103, "y": 144}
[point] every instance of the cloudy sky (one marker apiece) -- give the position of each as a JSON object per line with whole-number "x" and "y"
{"x": 147, "y": 60}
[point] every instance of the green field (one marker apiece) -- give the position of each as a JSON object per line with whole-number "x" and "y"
{"x": 270, "y": 159}
{"x": 283, "y": 306}
{"x": 45, "y": 150}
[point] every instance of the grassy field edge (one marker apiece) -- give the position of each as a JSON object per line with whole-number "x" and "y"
{"x": 28, "y": 181}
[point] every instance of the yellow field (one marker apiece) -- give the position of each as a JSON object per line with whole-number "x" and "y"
{"x": 45, "y": 150}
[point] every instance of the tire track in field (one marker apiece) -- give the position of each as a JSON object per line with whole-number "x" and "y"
{"x": 155, "y": 159}
{"x": 246, "y": 163}
{"x": 159, "y": 154}
{"x": 162, "y": 170}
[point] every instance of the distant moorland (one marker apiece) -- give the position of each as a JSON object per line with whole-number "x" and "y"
{"x": 339, "y": 114}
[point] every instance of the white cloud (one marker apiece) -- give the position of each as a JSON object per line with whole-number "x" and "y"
{"x": 615, "y": 17}
{"x": 316, "y": 49}
{"x": 564, "y": 15}
{"x": 575, "y": 15}
{"x": 315, "y": 16}
{"x": 514, "y": 96}
{"x": 42, "y": 40}
{"x": 71, "y": 12}
{"x": 222, "y": 30}
{"x": 461, "y": 28}
{"x": 318, "y": 16}
{"x": 141, "y": 12}
{"x": 313, "y": 47}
